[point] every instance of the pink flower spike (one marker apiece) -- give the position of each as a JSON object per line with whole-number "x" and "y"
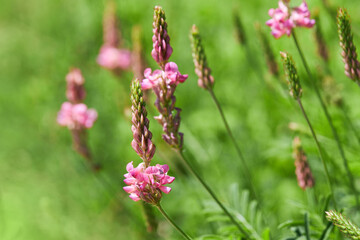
{"x": 113, "y": 58}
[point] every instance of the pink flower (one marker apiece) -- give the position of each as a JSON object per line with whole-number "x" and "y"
{"x": 76, "y": 116}
{"x": 280, "y": 23}
{"x": 301, "y": 16}
{"x": 113, "y": 58}
{"x": 75, "y": 91}
{"x": 147, "y": 183}
{"x": 171, "y": 75}
{"x": 284, "y": 19}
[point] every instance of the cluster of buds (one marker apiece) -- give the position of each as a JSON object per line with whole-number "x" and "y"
{"x": 344, "y": 225}
{"x": 141, "y": 143}
{"x": 269, "y": 54}
{"x": 164, "y": 82}
{"x": 352, "y": 65}
{"x": 112, "y": 57}
{"x": 206, "y": 80}
{"x": 303, "y": 172}
{"x": 75, "y": 114}
{"x": 161, "y": 41}
{"x": 292, "y": 76}
{"x": 284, "y": 19}
{"x": 145, "y": 182}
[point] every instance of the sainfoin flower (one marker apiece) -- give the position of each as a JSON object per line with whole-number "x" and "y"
{"x": 147, "y": 184}
{"x": 171, "y": 75}
{"x": 113, "y": 58}
{"x": 76, "y": 116}
{"x": 162, "y": 50}
{"x": 303, "y": 171}
{"x": 75, "y": 91}
{"x": 284, "y": 19}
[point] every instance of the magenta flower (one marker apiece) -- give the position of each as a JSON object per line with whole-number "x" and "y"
{"x": 76, "y": 116}
{"x": 171, "y": 75}
{"x": 301, "y": 16}
{"x": 147, "y": 184}
{"x": 280, "y": 22}
{"x": 75, "y": 91}
{"x": 284, "y": 19}
{"x": 113, "y": 58}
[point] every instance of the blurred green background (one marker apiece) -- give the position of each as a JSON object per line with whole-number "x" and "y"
{"x": 47, "y": 191}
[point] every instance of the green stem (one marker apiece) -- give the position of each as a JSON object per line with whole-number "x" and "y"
{"x": 246, "y": 170}
{"x": 333, "y": 129}
{"x": 351, "y": 125}
{"x": 320, "y": 151}
{"x": 172, "y": 223}
{"x": 307, "y": 227}
{"x": 208, "y": 189}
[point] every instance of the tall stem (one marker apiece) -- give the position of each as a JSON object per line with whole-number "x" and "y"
{"x": 333, "y": 129}
{"x": 172, "y": 223}
{"x": 238, "y": 151}
{"x": 320, "y": 151}
{"x": 208, "y": 189}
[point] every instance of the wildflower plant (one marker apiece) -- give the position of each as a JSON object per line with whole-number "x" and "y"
{"x": 283, "y": 21}
{"x": 146, "y": 182}
{"x": 296, "y": 92}
{"x": 76, "y": 116}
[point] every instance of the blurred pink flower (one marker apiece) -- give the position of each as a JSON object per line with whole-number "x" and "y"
{"x": 301, "y": 16}
{"x": 280, "y": 23}
{"x": 113, "y": 58}
{"x": 171, "y": 75}
{"x": 284, "y": 19}
{"x": 147, "y": 183}
{"x": 75, "y": 91}
{"x": 76, "y": 116}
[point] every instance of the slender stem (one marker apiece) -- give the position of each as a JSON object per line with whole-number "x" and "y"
{"x": 246, "y": 170}
{"x": 208, "y": 189}
{"x": 307, "y": 227}
{"x": 172, "y": 223}
{"x": 320, "y": 151}
{"x": 333, "y": 129}
{"x": 351, "y": 125}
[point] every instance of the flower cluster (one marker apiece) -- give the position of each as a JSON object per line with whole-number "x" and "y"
{"x": 112, "y": 57}
{"x": 352, "y": 65}
{"x": 284, "y": 19}
{"x": 76, "y": 116}
{"x": 303, "y": 171}
{"x": 206, "y": 80}
{"x": 164, "y": 81}
{"x": 144, "y": 182}
{"x": 147, "y": 183}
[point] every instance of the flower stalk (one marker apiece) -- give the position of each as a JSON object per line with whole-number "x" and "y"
{"x": 296, "y": 92}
